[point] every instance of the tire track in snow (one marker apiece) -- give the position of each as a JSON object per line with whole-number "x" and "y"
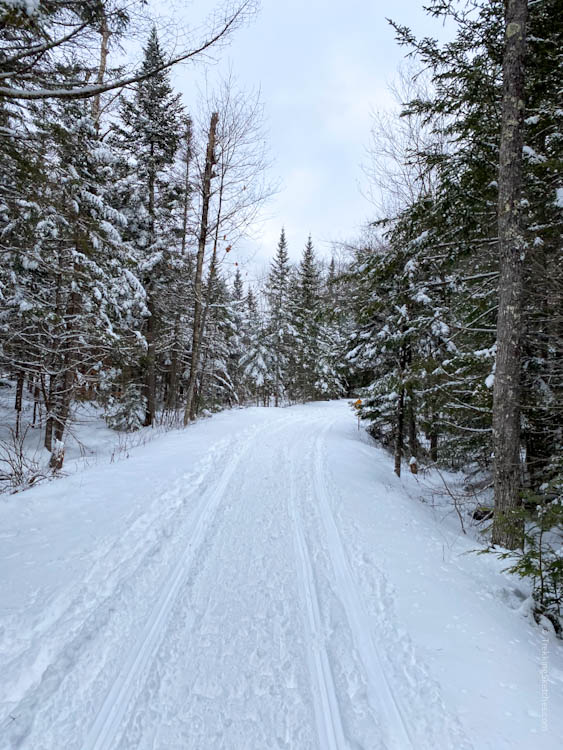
{"x": 327, "y": 711}
{"x": 103, "y": 732}
{"x": 381, "y": 691}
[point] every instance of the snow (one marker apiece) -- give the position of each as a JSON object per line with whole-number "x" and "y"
{"x": 422, "y": 237}
{"x": 262, "y": 580}
{"x": 28, "y": 6}
{"x": 533, "y": 155}
{"x": 422, "y": 297}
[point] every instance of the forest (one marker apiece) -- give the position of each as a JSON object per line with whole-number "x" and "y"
{"x": 120, "y": 284}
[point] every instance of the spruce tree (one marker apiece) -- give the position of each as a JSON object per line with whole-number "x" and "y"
{"x": 307, "y": 311}
{"x": 257, "y": 362}
{"x": 150, "y": 134}
{"x": 280, "y": 332}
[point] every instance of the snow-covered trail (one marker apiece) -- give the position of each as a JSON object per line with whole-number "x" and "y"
{"x": 234, "y": 607}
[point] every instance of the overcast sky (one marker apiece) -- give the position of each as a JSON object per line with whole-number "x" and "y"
{"x": 322, "y": 66}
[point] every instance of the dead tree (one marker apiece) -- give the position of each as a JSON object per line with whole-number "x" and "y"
{"x": 203, "y": 232}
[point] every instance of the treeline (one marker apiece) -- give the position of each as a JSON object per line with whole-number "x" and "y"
{"x": 295, "y": 350}
{"x": 458, "y": 292}
{"x": 427, "y": 287}
{"x": 118, "y": 217}
{"x": 119, "y": 210}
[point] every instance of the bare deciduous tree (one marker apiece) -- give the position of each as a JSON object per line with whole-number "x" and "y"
{"x": 58, "y": 30}
{"x": 237, "y": 192}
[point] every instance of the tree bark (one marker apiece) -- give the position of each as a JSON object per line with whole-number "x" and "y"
{"x": 434, "y": 445}
{"x": 19, "y": 398}
{"x": 104, "y": 49}
{"x": 63, "y": 394}
{"x": 173, "y": 381}
{"x": 507, "y": 530}
{"x": 173, "y": 374}
{"x": 413, "y": 442}
{"x": 47, "y": 398}
{"x": 60, "y": 419}
{"x": 150, "y": 375}
{"x": 187, "y": 187}
{"x": 411, "y": 411}
{"x": 36, "y": 402}
{"x": 400, "y": 436}
{"x": 204, "y": 228}
{"x": 208, "y": 293}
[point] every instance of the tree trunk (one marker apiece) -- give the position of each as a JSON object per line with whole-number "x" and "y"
{"x": 36, "y": 403}
{"x": 150, "y": 375}
{"x": 187, "y": 188}
{"x": 47, "y": 398}
{"x": 104, "y": 49}
{"x": 173, "y": 380}
{"x": 434, "y": 445}
{"x": 48, "y": 442}
{"x": 204, "y": 227}
{"x": 63, "y": 394}
{"x": 507, "y": 530}
{"x": 413, "y": 442}
{"x": 60, "y": 419}
{"x": 199, "y": 389}
{"x": 19, "y": 398}
{"x": 173, "y": 375}
{"x": 400, "y": 436}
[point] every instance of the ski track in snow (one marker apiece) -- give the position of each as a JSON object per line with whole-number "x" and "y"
{"x": 232, "y": 615}
{"x": 414, "y": 714}
{"x": 110, "y": 717}
{"x": 232, "y": 652}
{"x": 382, "y": 697}
{"x": 327, "y": 709}
{"x": 69, "y": 645}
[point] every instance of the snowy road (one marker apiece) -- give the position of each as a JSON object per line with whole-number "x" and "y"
{"x": 231, "y": 606}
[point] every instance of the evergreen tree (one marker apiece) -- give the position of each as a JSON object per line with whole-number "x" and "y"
{"x": 150, "y": 135}
{"x": 73, "y": 293}
{"x": 257, "y": 362}
{"x": 216, "y": 383}
{"x": 280, "y": 331}
{"x": 306, "y": 308}
{"x": 237, "y": 338}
